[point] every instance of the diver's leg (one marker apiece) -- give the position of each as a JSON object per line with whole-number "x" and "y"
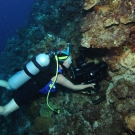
{"x": 4, "y": 84}
{"x": 8, "y": 108}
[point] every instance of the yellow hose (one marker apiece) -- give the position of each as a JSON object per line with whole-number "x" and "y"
{"x": 51, "y": 86}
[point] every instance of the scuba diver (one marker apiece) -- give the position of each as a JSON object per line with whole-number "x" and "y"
{"x": 40, "y": 75}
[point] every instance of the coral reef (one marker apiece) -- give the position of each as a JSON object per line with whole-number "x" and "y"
{"x": 109, "y": 25}
{"x": 130, "y": 121}
{"x": 122, "y": 96}
{"x": 45, "y": 111}
{"x": 42, "y": 125}
{"x": 90, "y": 113}
{"x": 90, "y": 3}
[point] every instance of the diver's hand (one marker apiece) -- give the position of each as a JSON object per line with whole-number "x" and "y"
{"x": 92, "y": 85}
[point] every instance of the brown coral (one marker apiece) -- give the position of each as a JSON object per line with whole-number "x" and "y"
{"x": 90, "y": 3}
{"x": 127, "y": 60}
{"x": 130, "y": 121}
{"x": 94, "y": 32}
{"x": 42, "y": 124}
{"x": 109, "y": 26}
{"x": 127, "y": 19}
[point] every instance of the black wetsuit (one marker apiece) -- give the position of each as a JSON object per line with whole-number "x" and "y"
{"x": 31, "y": 88}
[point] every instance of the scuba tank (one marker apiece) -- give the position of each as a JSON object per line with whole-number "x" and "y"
{"x": 38, "y": 63}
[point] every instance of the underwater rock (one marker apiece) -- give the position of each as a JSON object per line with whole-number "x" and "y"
{"x": 33, "y": 106}
{"x": 112, "y": 58}
{"x": 90, "y": 113}
{"x": 108, "y": 26}
{"x": 127, "y": 60}
{"x": 104, "y": 85}
{"x": 130, "y": 121}
{"x": 121, "y": 91}
{"x": 49, "y": 38}
{"x": 90, "y": 3}
{"x": 42, "y": 124}
{"x": 122, "y": 96}
{"x": 127, "y": 19}
{"x": 45, "y": 110}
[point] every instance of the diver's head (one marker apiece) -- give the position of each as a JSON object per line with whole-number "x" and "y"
{"x": 64, "y": 57}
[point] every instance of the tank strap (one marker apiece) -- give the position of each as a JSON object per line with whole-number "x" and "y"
{"x": 42, "y": 69}
{"x": 27, "y": 72}
{"x": 38, "y": 65}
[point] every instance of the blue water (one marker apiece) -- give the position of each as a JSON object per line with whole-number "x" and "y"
{"x": 13, "y": 15}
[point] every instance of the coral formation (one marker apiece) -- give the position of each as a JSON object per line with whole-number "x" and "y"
{"x": 90, "y": 113}
{"x": 90, "y": 3}
{"x": 42, "y": 125}
{"x": 45, "y": 111}
{"x": 122, "y": 96}
{"x": 49, "y": 43}
{"x": 109, "y": 26}
{"x": 130, "y": 121}
{"x": 127, "y": 60}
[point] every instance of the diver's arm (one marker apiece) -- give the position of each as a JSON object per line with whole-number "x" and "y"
{"x": 4, "y": 84}
{"x": 66, "y": 83}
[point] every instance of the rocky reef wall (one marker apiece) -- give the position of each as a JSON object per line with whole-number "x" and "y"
{"x": 105, "y": 26}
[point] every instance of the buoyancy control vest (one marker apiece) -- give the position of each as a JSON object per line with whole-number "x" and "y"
{"x": 47, "y": 87}
{"x": 43, "y": 77}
